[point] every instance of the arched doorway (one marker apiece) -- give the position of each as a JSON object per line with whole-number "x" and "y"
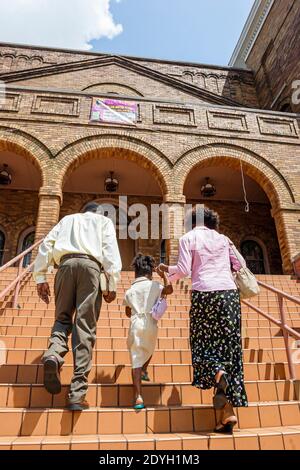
{"x": 254, "y": 256}
{"x": 2, "y": 246}
{"x": 228, "y": 200}
{"x": 19, "y": 200}
{"x": 138, "y": 181}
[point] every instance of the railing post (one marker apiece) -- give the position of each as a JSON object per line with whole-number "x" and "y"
{"x": 17, "y": 288}
{"x": 286, "y": 337}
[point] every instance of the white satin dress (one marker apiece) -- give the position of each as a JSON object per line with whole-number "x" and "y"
{"x": 141, "y": 297}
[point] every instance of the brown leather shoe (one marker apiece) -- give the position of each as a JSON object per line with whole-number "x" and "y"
{"x": 52, "y": 375}
{"x": 80, "y": 406}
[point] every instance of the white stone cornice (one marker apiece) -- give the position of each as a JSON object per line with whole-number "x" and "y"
{"x": 251, "y": 30}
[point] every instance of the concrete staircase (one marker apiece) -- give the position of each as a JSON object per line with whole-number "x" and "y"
{"x": 177, "y": 416}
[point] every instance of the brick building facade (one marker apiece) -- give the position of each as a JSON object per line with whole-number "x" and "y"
{"x": 195, "y": 121}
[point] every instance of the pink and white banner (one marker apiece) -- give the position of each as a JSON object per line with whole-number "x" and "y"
{"x": 114, "y": 111}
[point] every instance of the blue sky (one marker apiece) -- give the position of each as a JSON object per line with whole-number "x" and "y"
{"x": 204, "y": 31}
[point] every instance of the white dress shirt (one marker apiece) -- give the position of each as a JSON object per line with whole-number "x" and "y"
{"x": 89, "y": 233}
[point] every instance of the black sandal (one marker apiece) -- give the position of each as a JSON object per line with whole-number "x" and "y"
{"x": 220, "y": 398}
{"x": 225, "y": 428}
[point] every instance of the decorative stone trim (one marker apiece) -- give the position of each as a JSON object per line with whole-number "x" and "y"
{"x": 12, "y": 103}
{"x": 227, "y": 121}
{"x": 56, "y": 105}
{"x": 277, "y": 126}
{"x": 174, "y": 115}
{"x": 253, "y": 26}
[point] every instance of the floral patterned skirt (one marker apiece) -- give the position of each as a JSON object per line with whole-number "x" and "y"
{"x": 215, "y": 338}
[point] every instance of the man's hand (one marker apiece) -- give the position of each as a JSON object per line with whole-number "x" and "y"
{"x": 43, "y": 291}
{"x": 110, "y": 296}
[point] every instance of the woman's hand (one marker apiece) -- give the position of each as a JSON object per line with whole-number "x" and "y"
{"x": 161, "y": 269}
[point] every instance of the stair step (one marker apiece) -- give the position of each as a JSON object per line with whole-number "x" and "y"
{"x": 190, "y": 418}
{"x": 115, "y": 395}
{"x": 121, "y": 374}
{"x": 105, "y": 331}
{"x": 271, "y": 438}
{"x": 120, "y": 343}
{"x": 105, "y": 356}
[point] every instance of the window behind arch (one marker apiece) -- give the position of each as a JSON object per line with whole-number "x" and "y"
{"x": 2, "y": 244}
{"x": 254, "y": 256}
{"x": 286, "y": 108}
{"x": 163, "y": 252}
{"x": 28, "y": 241}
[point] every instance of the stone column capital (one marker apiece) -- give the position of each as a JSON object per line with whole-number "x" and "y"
{"x": 174, "y": 198}
{"x": 285, "y": 209}
{"x": 48, "y": 192}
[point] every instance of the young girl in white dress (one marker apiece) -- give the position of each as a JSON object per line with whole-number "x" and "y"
{"x": 139, "y": 301}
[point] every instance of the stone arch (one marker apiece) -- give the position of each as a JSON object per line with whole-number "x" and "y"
{"x": 211, "y": 81}
{"x": 200, "y": 78}
{"x": 189, "y": 76}
{"x": 257, "y": 167}
{"x": 29, "y": 147}
{"x": 8, "y": 60}
{"x": 36, "y": 61}
{"x": 22, "y": 61}
{"x": 108, "y": 87}
{"x": 119, "y": 147}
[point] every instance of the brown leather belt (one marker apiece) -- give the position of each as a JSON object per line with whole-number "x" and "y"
{"x": 79, "y": 255}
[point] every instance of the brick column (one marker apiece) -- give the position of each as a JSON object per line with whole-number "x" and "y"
{"x": 48, "y": 213}
{"x": 287, "y": 221}
{"x": 296, "y": 263}
{"x": 176, "y": 225}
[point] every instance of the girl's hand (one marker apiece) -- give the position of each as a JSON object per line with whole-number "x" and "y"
{"x": 128, "y": 312}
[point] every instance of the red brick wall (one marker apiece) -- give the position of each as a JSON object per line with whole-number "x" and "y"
{"x": 275, "y": 55}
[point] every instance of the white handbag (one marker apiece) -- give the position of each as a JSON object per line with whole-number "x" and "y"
{"x": 245, "y": 280}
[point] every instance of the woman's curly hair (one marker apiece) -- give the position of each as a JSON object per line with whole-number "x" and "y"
{"x": 209, "y": 217}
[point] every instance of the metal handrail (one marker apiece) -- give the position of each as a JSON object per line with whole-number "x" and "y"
{"x": 16, "y": 283}
{"x": 286, "y": 330}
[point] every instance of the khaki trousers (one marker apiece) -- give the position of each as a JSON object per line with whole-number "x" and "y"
{"x": 76, "y": 289}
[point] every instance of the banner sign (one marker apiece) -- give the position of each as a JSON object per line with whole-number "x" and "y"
{"x": 114, "y": 111}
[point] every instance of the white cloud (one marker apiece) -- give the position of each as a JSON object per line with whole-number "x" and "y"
{"x": 57, "y": 23}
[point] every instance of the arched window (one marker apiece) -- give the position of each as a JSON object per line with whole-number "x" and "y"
{"x": 2, "y": 244}
{"x": 26, "y": 241}
{"x": 254, "y": 256}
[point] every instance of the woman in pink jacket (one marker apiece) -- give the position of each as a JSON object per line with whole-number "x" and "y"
{"x": 215, "y": 315}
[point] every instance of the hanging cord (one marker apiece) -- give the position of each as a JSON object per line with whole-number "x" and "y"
{"x": 247, "y": 206}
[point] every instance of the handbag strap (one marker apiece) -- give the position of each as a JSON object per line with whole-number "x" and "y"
{"x": 237, "y": 253}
